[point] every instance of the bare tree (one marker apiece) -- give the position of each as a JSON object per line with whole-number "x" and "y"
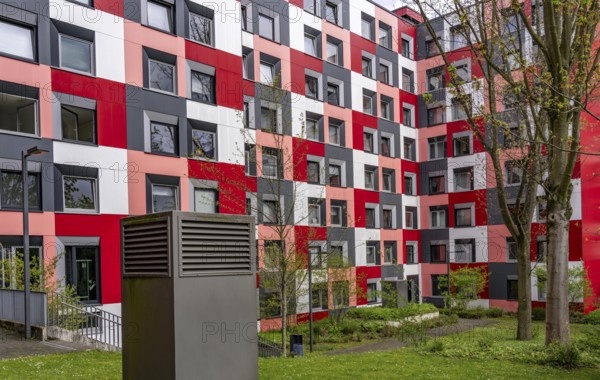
{"x": 540, "y": 59}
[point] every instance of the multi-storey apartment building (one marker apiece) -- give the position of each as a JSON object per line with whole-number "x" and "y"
{"x": 146, "y": 106}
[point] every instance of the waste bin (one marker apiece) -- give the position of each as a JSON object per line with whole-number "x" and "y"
{"x": 296, "y": 344}
{"x": 189, "y": 297}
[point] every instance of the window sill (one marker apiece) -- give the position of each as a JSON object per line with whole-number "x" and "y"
{"x": 159, "y": 30}
{"x": 78, "y": 212}
{"x": 35, "y": 136}
{"x": 201, "y": 102}
{"x": 18, "y": 58}
{"x": 73, "y": 71}
{"x": 173, "y": 94}
{"x": 201, "y": 43}
{"x": 163, "y": 154}
{"x": 76, "y": 142}
{"x": 37, "y": 211}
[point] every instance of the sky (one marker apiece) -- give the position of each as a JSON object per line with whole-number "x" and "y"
{"x": 393, "y": 4}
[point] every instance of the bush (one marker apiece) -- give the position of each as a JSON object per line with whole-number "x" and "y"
{"x": 494, "y": 312}
{"x": 593, "y": 318}
{"x": 436, "y": 346}
{"x": 589, "y": 341}
{"x": 538, "y": 314}
{"x": 476, "y": 313}
{"x": 563, "y": 356}
{"x": 390, "y": 314}
{"x": 576, "y": 317}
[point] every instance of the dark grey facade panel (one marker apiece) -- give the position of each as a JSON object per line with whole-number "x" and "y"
{"x": 499, "y": 273}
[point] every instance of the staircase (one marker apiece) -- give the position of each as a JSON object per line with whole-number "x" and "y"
{"x": 268, "y": 349}
{"x": 74, "y": 321}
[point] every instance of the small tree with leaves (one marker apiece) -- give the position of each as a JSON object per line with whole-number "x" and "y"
{"x": 466, "y": 284}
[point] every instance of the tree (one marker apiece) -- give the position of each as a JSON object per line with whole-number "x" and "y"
{"x": 466, "y": 284}
{"x": 543, "y": 57}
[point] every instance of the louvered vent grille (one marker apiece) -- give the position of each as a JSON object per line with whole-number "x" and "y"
{"x": 214, "y": 248}
{"x": 146, "y": 249}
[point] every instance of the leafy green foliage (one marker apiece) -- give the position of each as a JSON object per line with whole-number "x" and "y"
{"x": 466, "y": 284}
{"x": 579, "y": 285}
{"x": 538, "y": 314}
{"x": 563, "y": 356}
{"x": 391, "y": 314}
{"x": 593, "y": 318}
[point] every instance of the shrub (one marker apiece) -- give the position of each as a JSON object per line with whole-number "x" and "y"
{"x": 563, "y": 356}
{"x": 576, "y": 317}
{"x": 494, "y": 312}
{"x": 589, "y": 340}
{"x": 349, "y": 327}
{"x": 538, "y": 314}
{"x": 390, "y": 314}
{"x": 593, "y": 318}
{"x": 476, "y": 313}
{"x": 436, "y": 346}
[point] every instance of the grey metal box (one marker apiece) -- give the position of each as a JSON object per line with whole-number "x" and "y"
{"x": 189, "y": 296}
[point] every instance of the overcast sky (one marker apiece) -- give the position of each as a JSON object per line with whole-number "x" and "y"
{"x": 393, "y": 4}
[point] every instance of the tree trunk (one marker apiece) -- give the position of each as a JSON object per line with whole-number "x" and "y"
{"x": 284, "y": 323}
{"x": 524, "y": 289}
{"x": 557, "y": 292}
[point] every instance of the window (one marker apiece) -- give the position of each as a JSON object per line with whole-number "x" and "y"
{"x": 512, "y": 60}
{"x": 333, "y": 94}
{"x": 541, "y": 251}
{"x": 438, "y": 218}
{"x": 160, "y": 16}
{"x": 368, "y": 142}
{"x": 312, "y": 87}
{"x": 270, "y": 212}
{"x": 246, "y": 117}
{"x": 408, "y": 84}
{"x": 336, "y": 215}
{"x": 80, "y": 194}
{"x": 161, "y": 76}
{"x": 82, "y": 269}
{"x": 387, "y": 181}
{"x": 267, "y": 73}
{"x": 384, "y": 73}
{"x": 409, "y": 185}
{"x": 437, "y": 184}
{"x": 459, "y": 110}
{"x": 320, "y": 296}
{"x": 335, "y": 175}
{"x": 432, "y": 47}
{"x": 334, "y": 134}
{"x": 367, "y": 67}
{"x": 266, "y": 26}
{"x": 369, "y": 179}
{"x": 542, "y": 209}
{"x": 385, "y": 32}
{"x": 411, "y": 254}
{"x": 407, "y": 117}
{"x": 406, "y": 50}
{"x": 78, "y": 124}
{"x": 511, "y": 249}
{"x": 370, "y": 217}
{"x": 435, "y": 81}
{"x": 386, "y": 146}
{"x": 409, "y": 219}
{"x": 165, "y": 198}
{"x": 372, "y": 292}
{"x": 333, "y": 53}
{"x": 367, "y": 27}
{"x": 459, "y": 39}
{"x": 512, "y": 289}
{"x": 388, "y": 254}
{"x": 313, "y": 7}
{"x": 463, "y": 179}
{"x": 541, "y": 291}
{"x": 270, "y": 167}
{"x": 203, "y": 87}
{"x": 462, "y": 217}
{"x": 435, "y": 116}
{"x": 248, "y": 150}
{"x": 388, "y": 218}
{"x": 76, "y": 54}
{"x": 314, "y": 215}
{"x": 386, "y": 108}
{"x": 371, "y": 252}
{"x": 463, "y": 73}
{"x": 462, "y": 146}
{"x": 245, "y": 68}
{"x": 410, "y": 152}
{"x": 205, "y": 144}
{"x": 438, "y": 285}
{"x": 11, "y": 196}
{"x": 201, "y": 29}
{"x": 512, "y": 136}
{"x": 341, "y": 294}
{"x": 268, "y": 118}
{"x": 244, "y": 17}
{"x": 438, "y": 253}
{"x": 368, "y": 103}
{"x": 514, "y": 173}
{"x": 310, "y": 44}
{"x": 464, "y": 250}
{"x": 18, "y": 114}
{"x": 331, "y": 12}
{"x": 312, "y": 129}
{"x": 511, "y": 19}
{"x": 313, "y": 172}
{"x": 16, "y": 40}
{"x": 206, "y": 201}
{"x": 437, "y": 147}
{"x": 163, "y": 138}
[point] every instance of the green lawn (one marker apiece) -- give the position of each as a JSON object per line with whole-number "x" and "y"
{"x": 489, "y": 353}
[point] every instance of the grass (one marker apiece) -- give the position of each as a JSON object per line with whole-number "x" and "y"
{"x": 488, "y": 353}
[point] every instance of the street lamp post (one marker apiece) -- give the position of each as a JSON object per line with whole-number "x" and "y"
{"x": 25, "y": 155}
{"x": 310, "y": 301}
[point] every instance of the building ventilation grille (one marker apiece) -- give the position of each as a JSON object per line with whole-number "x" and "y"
{"x": 212, "y": 247}
{"x": 146, "y": 249}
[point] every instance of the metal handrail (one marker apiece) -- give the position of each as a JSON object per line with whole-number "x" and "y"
{"x": 89, "y": 321}
{"x": 267, "y": 348}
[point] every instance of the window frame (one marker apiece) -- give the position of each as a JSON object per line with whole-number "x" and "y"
{"x": 458, "y": 210}
{"x": 38, "y": 188}
{"x": 173, "y": 79}
{"x": 95, "y": 194}
{"x": 60, "y": 55}
{"x": 211, "y": 42}
{"x": 207, "y": 190}
{"x": 94, "y": 127}
{"x": 260, "y": 29}
{"x": 170, "y": 18}
{"x": 175, "y": 128}
{"x": 339, "y": 208}
{"x": 213, "y": 82}
{"x": 176, "y": 193}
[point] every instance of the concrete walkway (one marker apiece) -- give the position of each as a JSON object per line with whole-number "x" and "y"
{"x": 463, "y": 325}
{"x": 13, "y": 345}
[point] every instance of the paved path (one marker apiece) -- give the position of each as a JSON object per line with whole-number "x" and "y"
{"x": 463, "y": 325}
{"x": 13, "y": 345}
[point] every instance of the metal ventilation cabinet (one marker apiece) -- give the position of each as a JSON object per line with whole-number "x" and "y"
{"x": 189, "y": 296}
